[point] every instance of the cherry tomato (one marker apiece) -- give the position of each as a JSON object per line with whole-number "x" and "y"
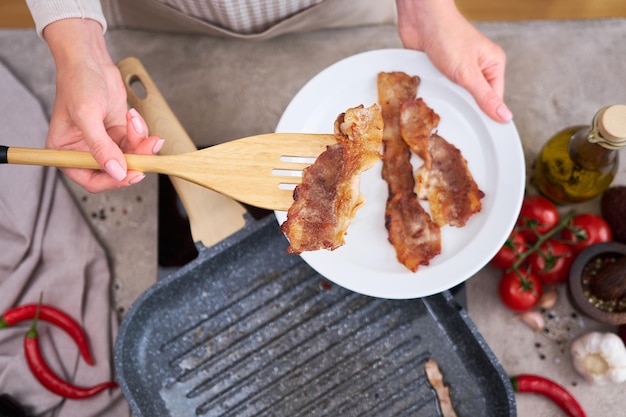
{"x": 520, "y": 290}
{"x": 538, "y": 213}
{"x": 514, "y": 246}
{"x": 552, "y": 262}
{"x": 591, "y": 229}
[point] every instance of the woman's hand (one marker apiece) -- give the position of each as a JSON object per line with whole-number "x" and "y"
{"x": 457, "y": 49}
{"x": 90, "y": 111}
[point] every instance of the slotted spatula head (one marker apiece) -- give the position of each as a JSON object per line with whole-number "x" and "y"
{"x": 261, "y": 170}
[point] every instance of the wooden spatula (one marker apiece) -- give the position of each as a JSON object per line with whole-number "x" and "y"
{"x": 258, "y": 170}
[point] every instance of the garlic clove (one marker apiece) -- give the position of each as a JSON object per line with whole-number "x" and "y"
{"x": 533, "y": 319}
{"x": 595, "y": 364}
{"x": 549, "y": 298}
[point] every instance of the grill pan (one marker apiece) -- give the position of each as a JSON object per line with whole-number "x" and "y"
{"x": 248, "y": 330}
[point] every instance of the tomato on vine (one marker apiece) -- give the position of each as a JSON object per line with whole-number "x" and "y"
{"x": 538, "y": 216}
{"x": 520, "y": 290}
{"x": 586, "y": 229}
{"x": 541, "y": 250}
{"x": 552, "y": 262}
{"x": 514, "y": 246}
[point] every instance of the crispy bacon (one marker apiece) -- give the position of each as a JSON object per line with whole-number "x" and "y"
{"x": 328, "y": 197}
{"x": 453, "y": 195}
{"x": 444, "y": 179}
{"x": 417, "y": 122}
{"x": 434, "y": 376}
{"x": 414, "y": 236}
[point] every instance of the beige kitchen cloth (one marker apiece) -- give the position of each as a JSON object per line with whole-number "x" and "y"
{"x": 47, "y": 247}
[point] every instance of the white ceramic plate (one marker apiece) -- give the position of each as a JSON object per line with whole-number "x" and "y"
{"x": 367, "y": 262}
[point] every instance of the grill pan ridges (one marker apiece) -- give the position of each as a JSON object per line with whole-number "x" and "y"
{"x": 249, "y": 330}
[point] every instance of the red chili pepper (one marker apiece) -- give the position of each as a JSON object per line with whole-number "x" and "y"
{"x": 539, "y": 385}
{"x": 54, "y": 316}
{"x": 47, "y": 377}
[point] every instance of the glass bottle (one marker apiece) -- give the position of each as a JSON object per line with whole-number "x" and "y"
{"x": 579, "y": 162}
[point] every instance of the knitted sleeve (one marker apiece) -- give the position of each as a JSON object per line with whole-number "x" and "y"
{"x": 45, "y": 12}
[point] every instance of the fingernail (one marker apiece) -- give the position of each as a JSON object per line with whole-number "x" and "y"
{"x": 504, "y": 113}
{"x": 135, "y": 119}
{"x": 157, "y": 146}
{"x": 137, "y": 179}
{"x": 114, "y": 169}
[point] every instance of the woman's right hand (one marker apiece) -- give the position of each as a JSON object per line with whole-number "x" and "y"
{"x": 90, "y": 110}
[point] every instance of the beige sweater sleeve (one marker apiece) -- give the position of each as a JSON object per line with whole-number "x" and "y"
{"x": 45, "y": 12}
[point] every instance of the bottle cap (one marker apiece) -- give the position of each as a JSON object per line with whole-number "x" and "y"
{"x": 611, "y": 124}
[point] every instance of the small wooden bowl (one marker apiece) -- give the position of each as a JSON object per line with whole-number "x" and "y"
{"x": 575, "y": 286}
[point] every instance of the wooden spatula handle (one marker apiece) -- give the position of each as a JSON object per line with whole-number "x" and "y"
{"x": 212, "y": 216}
{"x": 47, "y": 157}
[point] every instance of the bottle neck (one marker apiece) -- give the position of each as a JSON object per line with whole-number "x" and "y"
{"x": 587, "y": 149}
{"x": 596, "y": 136}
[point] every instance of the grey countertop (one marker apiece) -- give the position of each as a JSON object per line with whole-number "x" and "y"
{"x": 559, "y": 73}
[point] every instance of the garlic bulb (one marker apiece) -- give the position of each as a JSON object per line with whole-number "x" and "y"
{"x": 600, "y": 357}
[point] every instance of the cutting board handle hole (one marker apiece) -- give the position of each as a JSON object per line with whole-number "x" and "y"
{"x": 137, "y": 86}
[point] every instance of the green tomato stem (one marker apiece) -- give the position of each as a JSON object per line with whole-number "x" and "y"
{"x": 536, "y": 247}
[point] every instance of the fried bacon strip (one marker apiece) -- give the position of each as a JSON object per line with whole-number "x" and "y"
{"x": 453, "y": 194}
{"x": 414, "y": 236}
{"x": 417, "y": 122}
{"x": 444, "y": 179}
{"x": 433, "y": 374}
{"x": 328, "y": 197}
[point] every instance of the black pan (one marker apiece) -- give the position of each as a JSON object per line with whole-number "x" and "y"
{"x": 248, "y": 330}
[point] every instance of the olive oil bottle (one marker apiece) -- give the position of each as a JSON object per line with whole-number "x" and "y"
{"x": 580, "y": 162}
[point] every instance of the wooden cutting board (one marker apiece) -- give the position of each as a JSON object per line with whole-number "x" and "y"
{"x": 212, "y": 216}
